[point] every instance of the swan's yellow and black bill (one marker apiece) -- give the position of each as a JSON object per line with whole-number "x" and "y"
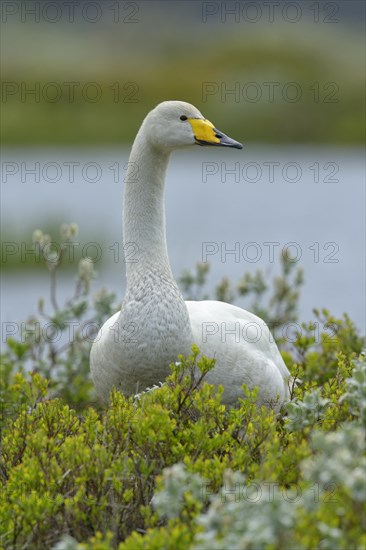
{"x": 205, "y": 133}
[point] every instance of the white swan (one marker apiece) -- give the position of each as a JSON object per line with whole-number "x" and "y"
{"x": 135, "y": 346}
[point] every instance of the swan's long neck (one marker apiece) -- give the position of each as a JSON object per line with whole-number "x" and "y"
{"x": 144, "y": 234}
{"x": 153, "y": 304}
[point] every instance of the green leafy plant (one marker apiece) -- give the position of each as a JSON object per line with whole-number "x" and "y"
{"x": 57, "y": 343}
{"x": 172, "y": 467}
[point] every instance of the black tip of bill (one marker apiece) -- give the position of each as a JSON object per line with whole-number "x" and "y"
{"x": 224, "y": 141}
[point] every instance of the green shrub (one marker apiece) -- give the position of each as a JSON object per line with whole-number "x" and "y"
{"x": 172, "y": 467}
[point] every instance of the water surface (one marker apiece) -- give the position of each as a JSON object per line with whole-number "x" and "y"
{"x": 238, "y": 210}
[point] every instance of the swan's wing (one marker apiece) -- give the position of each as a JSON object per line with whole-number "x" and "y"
{"x": 243, "y": 347}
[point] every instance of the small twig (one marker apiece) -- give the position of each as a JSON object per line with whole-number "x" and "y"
{"x": 77, "y": 293}
{"x": 53, "y": 289}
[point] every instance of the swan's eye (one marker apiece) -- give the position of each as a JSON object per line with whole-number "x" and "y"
{"x": 183, "y": 117}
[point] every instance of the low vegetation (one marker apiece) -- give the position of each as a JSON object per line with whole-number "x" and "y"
{"x": 172, "y": 467}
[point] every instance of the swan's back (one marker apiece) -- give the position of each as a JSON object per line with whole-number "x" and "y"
{"x": 244, "y": 349}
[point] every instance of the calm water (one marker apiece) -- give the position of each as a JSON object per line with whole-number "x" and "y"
{"x": 236, "y": 209}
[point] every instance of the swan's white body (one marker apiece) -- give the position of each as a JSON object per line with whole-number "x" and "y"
{"x": 135, "y": 346}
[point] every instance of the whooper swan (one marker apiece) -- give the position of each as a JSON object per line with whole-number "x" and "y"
{"x": 134, "y": 348}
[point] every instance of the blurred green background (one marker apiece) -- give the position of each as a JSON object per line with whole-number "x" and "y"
{"x": 95, "y": 81}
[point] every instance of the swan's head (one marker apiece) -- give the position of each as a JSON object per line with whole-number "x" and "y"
{"x": 174, "y": 124}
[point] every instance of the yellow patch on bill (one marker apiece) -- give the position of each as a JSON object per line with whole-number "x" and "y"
{"x": 203, "y": 130}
